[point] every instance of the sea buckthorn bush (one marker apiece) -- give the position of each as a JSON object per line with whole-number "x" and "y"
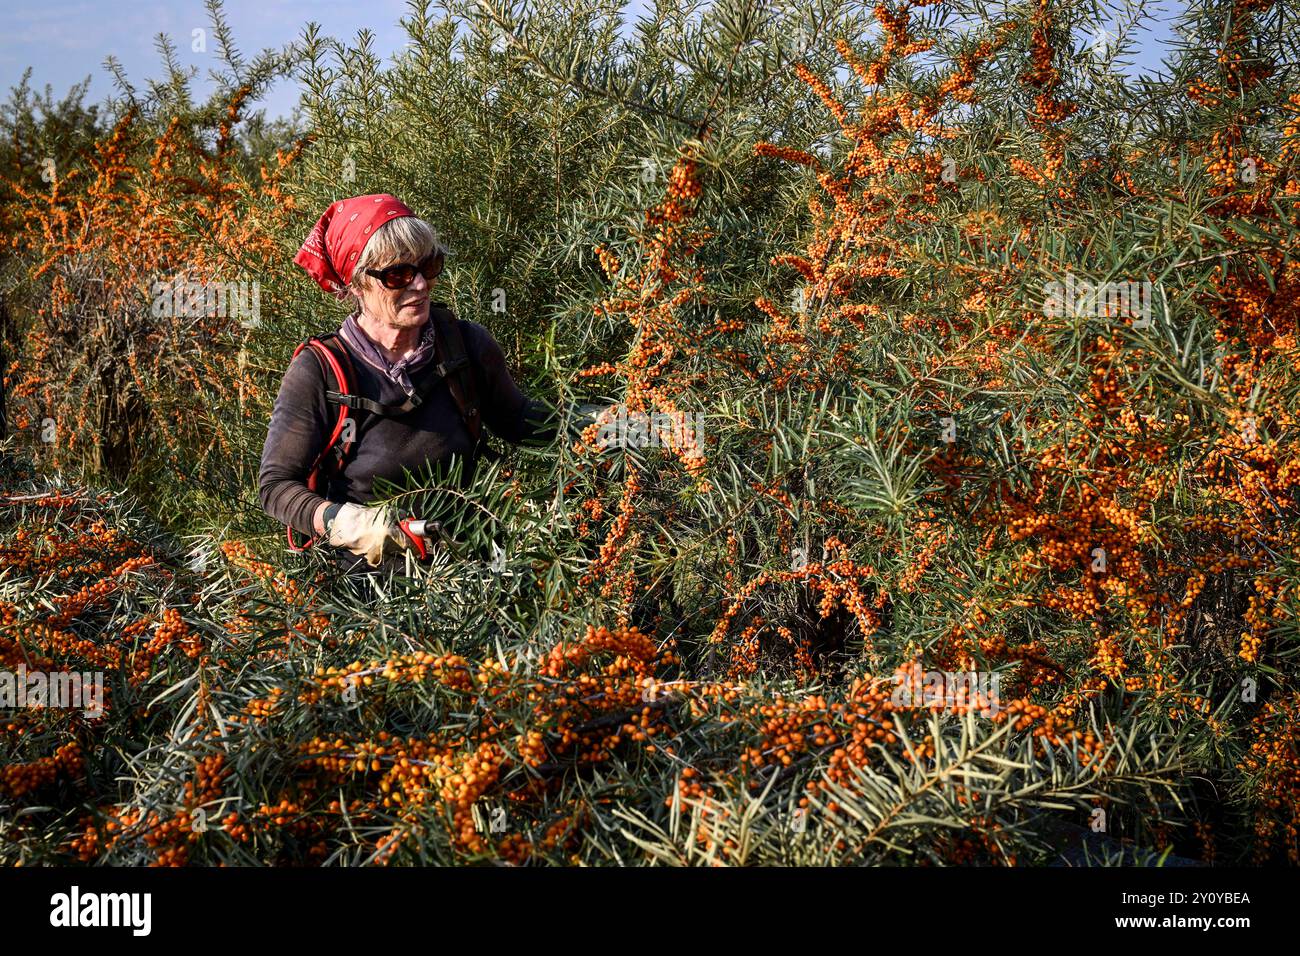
{"x": 139, "y": 240}
{"x": 251, "y": 718}
{"x": 922, "y": 451}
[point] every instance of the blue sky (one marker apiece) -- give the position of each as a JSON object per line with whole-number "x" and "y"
{"x": 66, "y": 40}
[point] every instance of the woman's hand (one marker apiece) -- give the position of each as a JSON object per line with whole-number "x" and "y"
{"x": 370, "y": 532}
{"x": 583, "y": 416}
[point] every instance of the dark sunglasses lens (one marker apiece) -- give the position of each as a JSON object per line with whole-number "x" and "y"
{"x": 432, "y": 266}
{"x": 398, "y": 277}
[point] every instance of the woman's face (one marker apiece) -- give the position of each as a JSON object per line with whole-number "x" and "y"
{"x": 400, "y": 308}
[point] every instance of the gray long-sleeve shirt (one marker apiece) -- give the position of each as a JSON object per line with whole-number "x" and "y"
{"x": 302, "y": 420}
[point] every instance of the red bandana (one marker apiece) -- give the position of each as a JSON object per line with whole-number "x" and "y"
{"x": 334, "y": 244}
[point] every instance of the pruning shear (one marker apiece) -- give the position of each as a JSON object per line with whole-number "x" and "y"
{"x": 420, "y": 530}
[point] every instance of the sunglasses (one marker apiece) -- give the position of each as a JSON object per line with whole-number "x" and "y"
{"x": 403, "y": 274}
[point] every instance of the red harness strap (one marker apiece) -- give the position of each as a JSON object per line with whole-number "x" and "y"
{"x": 329, "y": 363}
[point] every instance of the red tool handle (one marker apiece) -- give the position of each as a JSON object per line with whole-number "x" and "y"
{"x": 414, "y": 529}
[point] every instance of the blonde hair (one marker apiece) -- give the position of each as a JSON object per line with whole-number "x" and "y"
{"x": 405, "y": 239}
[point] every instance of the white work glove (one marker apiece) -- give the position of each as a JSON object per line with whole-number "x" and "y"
{"x": 367, "y": 531}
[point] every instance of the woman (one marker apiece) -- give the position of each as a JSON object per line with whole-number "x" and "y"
{"x": 373, "y": 249}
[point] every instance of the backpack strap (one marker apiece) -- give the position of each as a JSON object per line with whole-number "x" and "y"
{"x": 449, "y": 346}
{"x": 413, "y": 401}
{"x": 337, "y": 367}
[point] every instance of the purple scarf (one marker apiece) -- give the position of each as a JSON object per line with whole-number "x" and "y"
{"x": 398, "y": 372}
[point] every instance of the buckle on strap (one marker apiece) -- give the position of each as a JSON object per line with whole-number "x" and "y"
{"x": 387, "y": 411}
{"x": 351, "y": 401}
{"x": 445, "y": 368}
